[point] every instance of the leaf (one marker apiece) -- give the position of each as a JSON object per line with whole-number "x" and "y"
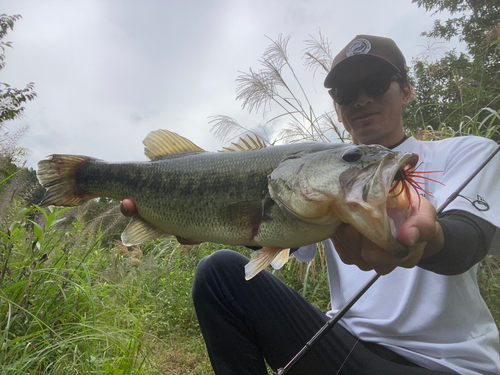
{"x": 38, "y": 230}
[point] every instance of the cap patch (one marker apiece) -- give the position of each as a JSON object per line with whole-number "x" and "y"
{"x": 360, "y": 46}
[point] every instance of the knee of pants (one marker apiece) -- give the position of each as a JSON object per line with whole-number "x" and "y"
{"x": 222, "y": 262}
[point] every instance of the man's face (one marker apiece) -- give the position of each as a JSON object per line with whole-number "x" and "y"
{"x": 373, "y": 119}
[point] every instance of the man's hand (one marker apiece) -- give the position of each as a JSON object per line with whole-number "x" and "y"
{"x": 128, "y": 208}
{"x": 420, "y": 232}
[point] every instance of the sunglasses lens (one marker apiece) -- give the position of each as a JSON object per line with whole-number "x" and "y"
{"x": 374, "y": 85}
{"x": 344, "y": 95}
{"x": 377, "y": 85}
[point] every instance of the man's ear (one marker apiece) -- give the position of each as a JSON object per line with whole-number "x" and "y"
{"x": 406, "y": 92}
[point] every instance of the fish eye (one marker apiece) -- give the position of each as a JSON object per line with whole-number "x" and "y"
{"x": 352, "y": 155}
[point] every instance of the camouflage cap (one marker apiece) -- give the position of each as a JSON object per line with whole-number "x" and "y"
{"x": 368, "y": 47}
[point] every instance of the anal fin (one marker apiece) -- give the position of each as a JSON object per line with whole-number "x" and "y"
{"x": 138, "y": 231}
{"x": 260, "y": 260}
{"x": 280, "y": 259}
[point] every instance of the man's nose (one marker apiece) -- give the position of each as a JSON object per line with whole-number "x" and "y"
{"x": 363, "y": 98}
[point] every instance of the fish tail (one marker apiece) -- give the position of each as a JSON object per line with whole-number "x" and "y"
{"x": 58, "y": 174}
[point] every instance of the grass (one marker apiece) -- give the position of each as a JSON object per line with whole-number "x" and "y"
{"x": 51, "y": 304}
{"x": 73, "y": 301}
{"x": 69, "y": 308}
{"x": 489, "y": 284}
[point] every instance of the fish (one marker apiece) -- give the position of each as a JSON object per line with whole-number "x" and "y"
{"x": 275, "y": 197}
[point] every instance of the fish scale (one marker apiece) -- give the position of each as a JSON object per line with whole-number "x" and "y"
{"x": 275, "y": 197}
{"x": 192, "y": 196}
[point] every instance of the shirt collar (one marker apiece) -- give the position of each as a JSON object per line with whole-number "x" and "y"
{"x": 400, "y": 142}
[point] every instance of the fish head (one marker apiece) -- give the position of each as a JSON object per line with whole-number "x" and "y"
{"x": 350, "y": 184}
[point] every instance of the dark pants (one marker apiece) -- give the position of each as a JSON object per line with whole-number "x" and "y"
{"x": 244, "y": 322}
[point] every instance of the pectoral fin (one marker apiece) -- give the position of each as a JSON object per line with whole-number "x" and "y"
{"x": 138, "y": 231}
{"x": 261, "y": 259}
{"x": 252, "y": 213}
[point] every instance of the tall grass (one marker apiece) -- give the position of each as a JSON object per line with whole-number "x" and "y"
{"x": 51, "y": 303}
{"x": 70, "y": 307}
{"x": 276, "y": 90}
{"x": 72, "y": 300}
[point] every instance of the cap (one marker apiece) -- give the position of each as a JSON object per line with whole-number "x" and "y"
{"x": 379, "y": 48}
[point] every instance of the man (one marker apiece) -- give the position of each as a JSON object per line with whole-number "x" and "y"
{"x": 425, "y": 316}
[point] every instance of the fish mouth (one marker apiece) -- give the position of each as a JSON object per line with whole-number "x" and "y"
{"x": 398, "y": 204}
{"x": 399, "y": 188}
{"x": 380, "y": 201}
{"x": 386, "y": 181}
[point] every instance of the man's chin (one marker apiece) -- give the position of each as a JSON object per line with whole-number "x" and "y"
{"x": 369, "y": 134}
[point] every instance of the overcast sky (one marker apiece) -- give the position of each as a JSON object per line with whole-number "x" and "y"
{"x": 109, "y": 72}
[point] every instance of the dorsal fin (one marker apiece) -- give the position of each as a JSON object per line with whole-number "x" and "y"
{"x": 162, "y": 142}
{"x": 249, "y": 142}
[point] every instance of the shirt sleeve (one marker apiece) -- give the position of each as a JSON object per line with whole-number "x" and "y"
{"x": 461, "y": 157}
{"x": 467, "y": 239}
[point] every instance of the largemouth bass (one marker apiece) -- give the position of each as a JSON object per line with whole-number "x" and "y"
{"x": 276, "y": 197}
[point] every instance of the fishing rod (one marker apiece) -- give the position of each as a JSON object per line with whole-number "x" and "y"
{"x": 344, "y": 309}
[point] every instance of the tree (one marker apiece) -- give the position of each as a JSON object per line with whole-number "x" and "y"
{"x": 460, "y": 90}
{"x": 477, "y": 22}
{"x": 12, "y": 100}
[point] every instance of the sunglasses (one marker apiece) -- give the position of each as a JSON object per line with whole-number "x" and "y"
{"x": 374, "y": 85}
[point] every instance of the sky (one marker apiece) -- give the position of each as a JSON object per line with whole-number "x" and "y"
{"x": 107, "y": 72}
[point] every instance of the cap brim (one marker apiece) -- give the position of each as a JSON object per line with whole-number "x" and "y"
{"x": 355, "y": 62}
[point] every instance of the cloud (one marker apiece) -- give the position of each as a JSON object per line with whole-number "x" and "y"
{"x": 108, "y": 73}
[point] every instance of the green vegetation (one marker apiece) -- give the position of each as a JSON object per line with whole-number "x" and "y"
{"x": 12, "y": 102}
{"x": 73, "y": 300}
{"x": 71, "y": 304}
{"x": 453, "y": 88}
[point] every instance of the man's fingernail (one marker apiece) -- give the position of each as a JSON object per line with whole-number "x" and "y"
{"x": 414, "y": 235}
